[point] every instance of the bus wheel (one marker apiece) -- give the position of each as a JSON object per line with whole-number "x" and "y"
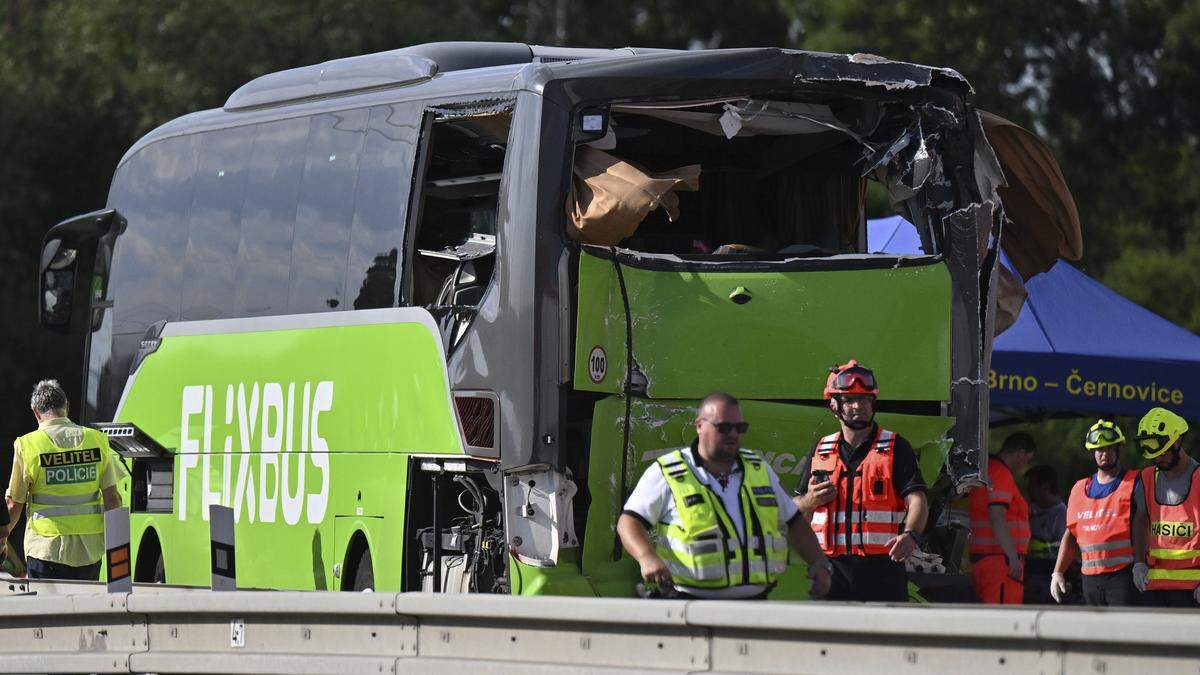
{"x": 150, "y": 565}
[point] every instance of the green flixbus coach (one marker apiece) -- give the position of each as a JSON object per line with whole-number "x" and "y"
{"x": 359, "y": 306}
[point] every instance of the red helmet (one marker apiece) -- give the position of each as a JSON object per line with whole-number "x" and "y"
{"x": 850, "y": 378}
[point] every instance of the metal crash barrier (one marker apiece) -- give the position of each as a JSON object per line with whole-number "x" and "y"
{"x": 322, "y": 632}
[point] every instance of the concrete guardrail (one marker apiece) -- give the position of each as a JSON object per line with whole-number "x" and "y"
{"x": 321, "y": 632}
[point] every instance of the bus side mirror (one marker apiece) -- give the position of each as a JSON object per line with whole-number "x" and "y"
{"x": 69, "y": 252}
{"x": 56, "y": 284}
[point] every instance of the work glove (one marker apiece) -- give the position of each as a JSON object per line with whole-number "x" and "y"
{"x": 1059, "y": 587}
{"x": 1141, "y": 574}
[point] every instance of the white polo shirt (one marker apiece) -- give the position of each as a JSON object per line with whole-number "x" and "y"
{"x": 651, "y": 500}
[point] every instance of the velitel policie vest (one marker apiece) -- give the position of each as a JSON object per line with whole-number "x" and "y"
{"x": 1174, "y": 556}
{"x": 704, "y": 550}
{"x": 64, "y": 497}
{"x": 1101, "y": 526}
{"x": 863, "y": 520}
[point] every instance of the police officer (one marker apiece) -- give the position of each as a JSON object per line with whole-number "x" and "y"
{"x": 722, "y": 518}
{"x": 1100, "y": 516}
{"x": 1169, "y": 508}
{"x": 64, "y": 474}
{"x": 862, "y": 489}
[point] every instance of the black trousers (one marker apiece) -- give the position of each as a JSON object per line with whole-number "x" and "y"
{"x": 1114, "y": 589}
{"x": 1169, "y": 599}
{"x": 45, "y": 569}
{"x": 872, "y": 578}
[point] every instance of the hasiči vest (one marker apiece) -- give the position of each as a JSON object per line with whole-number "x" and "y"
{"x": 863, "y": 520}
{"x": 1016, "y": 516}
{"x": 1174, "y": 555}
{"x": 704, "y": 550}
{"x": 1101, "y": 526}
{"x": 64, "y": 497}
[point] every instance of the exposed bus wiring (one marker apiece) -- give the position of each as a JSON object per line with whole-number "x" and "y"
{"x": 628, "y": 387}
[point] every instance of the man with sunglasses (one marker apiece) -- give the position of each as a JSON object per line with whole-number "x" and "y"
{"x": 862, "y": 489}
{"x": 1100, "y": 516}
{"x": 722, "y": 518}
{"x": 1169, "y": 514}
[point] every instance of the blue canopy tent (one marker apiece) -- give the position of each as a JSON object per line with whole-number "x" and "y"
{"x": 1078, "y": 346}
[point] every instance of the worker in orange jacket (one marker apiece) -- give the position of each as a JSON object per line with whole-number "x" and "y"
{"x": 999, "y": 518}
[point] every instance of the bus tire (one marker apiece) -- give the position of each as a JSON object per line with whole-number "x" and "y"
{"x": 150, "y": 568}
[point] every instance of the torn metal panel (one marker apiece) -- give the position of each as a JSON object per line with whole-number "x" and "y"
{"x": 971, "y": 320}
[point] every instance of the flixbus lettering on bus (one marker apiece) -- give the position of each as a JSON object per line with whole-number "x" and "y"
{"x": 265, "y": 439}
{"x": 354, "y": 309}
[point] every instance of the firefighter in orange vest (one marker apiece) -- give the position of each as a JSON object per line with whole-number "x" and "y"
{"x": 1100, "y": 514}
{"x": 1000, "y": 525}
{"x": 1169, "y": 514}
{"x": 863, "y": 492}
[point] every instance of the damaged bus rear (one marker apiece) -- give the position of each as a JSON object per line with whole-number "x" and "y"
{"x": 475, "y": 289}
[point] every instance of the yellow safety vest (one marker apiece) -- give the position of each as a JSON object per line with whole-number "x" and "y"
{"x": 704, "y": 550}
{"x": 64, "y": 497}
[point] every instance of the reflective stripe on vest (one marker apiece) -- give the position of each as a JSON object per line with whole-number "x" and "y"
{"x": 894, "y": 517}
{"x": 1040, "y": 549}
{"x": 64, "y": 495}
{"x": 1016, "y": 517}
{"x": 1172, "y": 579}
{"x": 55, "y": 511}
{"x": 863, "y": 522}
{"x": 857, "y": 539}
{"x": 68, "y": 500}
{"x": 1174, "y": 555}
{"x": 704, "y": 550}
{"x": 1101, "y": 526}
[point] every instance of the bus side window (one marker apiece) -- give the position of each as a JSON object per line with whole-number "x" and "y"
{"x": 326, "y": 206}
{"x": 455, "y": 233}
{"x": 269, "y": 218}
{"x": 385, "y": 177}
{"x": 214, "y": 224}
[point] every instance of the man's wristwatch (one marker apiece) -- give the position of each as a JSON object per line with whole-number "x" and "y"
{"x": 916, "y": 536}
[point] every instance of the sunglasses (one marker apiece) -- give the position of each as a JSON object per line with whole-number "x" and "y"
{"x": 726, "y": 427}
{"x": 1103, "y": 436}
{"x": 848, "y": 377}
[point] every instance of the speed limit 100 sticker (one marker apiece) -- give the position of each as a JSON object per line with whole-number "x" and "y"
{"x": 597, "y": 364}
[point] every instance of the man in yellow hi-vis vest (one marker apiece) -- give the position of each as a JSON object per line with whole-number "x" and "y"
{"x": 64, "y": 474}
{"x": 723, "y": 520}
